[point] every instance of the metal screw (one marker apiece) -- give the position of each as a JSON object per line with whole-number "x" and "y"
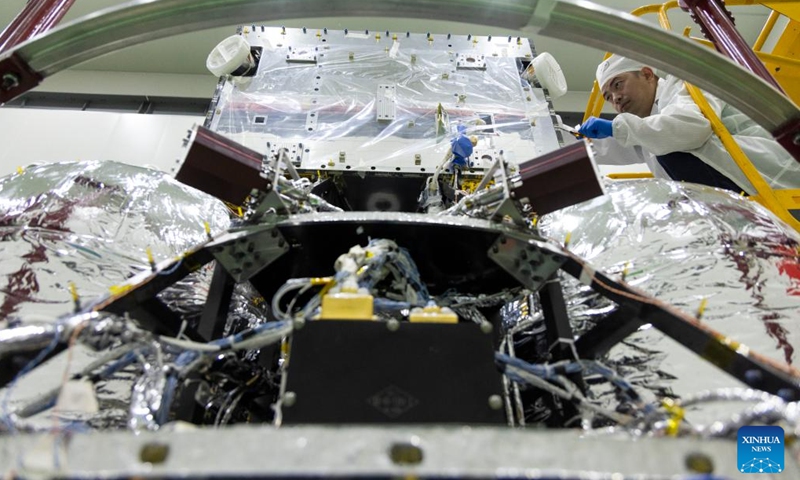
{"x": 699, "y": 463}
{"x": 10, "y": 80}
{"x": 786, "y": 394}
{"x": 154, "y": 453}
{"x": 495, "y": 402}
{"x": 486, "y": 327}
{"x": 299, "y": 323}
{"x": 752, "y": 376}
{"x": 393, "y": 325}
{"x": 289, "y": 399}
{"x": 405, "y": 454}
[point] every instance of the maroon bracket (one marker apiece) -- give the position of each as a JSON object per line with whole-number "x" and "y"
{"x": 221, "y": 167}
{"x": 16, "y": 77}
{"x": 38, "y": 16}
{"x": 558, "y": 179}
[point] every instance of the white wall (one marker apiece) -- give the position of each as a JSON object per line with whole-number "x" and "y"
{"x": 131, "y": 83}
{"x": 33, "y": 136}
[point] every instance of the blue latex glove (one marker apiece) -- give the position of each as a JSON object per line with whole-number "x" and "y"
{"x": 462, "y": 147}
{"x": 596, "y": 128}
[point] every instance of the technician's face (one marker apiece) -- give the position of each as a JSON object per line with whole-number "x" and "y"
{"x": 632, "y": 92}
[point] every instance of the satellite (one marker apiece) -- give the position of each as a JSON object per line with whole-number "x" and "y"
{"x": 393, "y": 294}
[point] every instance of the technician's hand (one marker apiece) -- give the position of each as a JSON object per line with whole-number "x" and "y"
{"x": 596, "y": 128}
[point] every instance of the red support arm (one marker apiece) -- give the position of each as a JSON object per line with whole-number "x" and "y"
{"x": 38, "y": 16}
{"x": 719, "y": 28}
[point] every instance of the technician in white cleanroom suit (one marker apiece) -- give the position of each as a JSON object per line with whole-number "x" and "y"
{"x": 659, "y": 119}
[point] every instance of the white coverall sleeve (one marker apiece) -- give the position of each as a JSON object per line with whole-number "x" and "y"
{"x": 679, "y": 126}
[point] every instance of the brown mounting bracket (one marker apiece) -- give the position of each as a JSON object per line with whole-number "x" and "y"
{"x": 16, "y": 77}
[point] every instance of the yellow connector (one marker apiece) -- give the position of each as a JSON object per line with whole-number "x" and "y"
{"x": 76, "y": 299}
{"x": 348, "y": 304}
{"x": 150, "y": 259}
{"x": 117, "y": 290}
{"x": 432, "y": 314}
{"x": 676, "y": 413}
{"x": 702, "y": 308}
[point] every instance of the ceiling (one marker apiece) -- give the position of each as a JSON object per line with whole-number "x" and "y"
{"x": 186, "y": 53}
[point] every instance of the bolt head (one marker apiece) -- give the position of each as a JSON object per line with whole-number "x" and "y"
{"x": 699, "y": 462}
{"x": 9, "y": 81}
{"x": 154, "y": 453}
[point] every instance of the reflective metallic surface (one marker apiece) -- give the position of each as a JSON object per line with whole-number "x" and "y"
{"x": 90, "y": 225}
{"x": 708, "y": 252}
{"x": 681, "y": 243}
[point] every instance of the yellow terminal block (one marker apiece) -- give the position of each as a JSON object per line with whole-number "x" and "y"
{"x": 117, "y": 290}
{"x": 676, "y": 413}
{"x": 348, "y": 304}
{"x": 432, "y": 314}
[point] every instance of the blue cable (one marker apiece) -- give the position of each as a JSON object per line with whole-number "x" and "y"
{"x": 172, "y": 269}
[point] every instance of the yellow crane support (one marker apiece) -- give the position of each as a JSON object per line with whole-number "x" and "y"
{"x": 782, "y": 62}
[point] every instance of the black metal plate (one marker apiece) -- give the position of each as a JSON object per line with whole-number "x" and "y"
{"x": 361, "y": 372}
{"x": 448, "y": 256}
